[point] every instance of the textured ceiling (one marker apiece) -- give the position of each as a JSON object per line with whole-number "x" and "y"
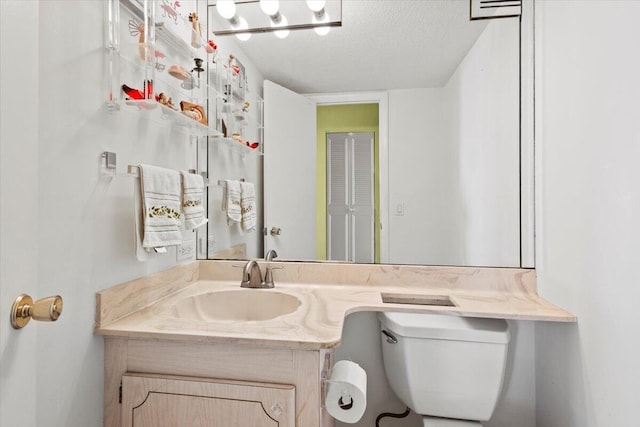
{"x": 382, "y": 44}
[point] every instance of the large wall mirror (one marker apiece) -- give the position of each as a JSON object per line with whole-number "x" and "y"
{"x": 401, "y": 137}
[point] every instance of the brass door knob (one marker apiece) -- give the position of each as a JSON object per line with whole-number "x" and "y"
{"x": 275, "y": 231}
{"x": 24, "y": 309}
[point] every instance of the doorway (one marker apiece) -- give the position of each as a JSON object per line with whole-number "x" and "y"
{"x": 344, "y": 118}
{"x": 350, "y": 197}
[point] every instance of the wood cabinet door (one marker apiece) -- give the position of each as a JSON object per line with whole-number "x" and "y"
{"x": 169, "y": 401}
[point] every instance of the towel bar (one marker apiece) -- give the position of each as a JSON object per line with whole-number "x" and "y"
{"x": 135, "y": 171}
{"x": 223, "y": 183}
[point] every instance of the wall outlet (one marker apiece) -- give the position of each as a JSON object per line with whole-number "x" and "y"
{"x": 186, "y": 251}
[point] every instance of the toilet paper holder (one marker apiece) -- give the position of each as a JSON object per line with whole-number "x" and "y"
{"x": 344, "y": 390}
{"x": 346, "y": 400}
{"x": 324, "y": 377}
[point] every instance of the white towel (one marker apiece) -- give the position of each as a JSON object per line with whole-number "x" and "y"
{"x": 192, "y": 200}
{"x": 160, "y": 194}
{"x": 248, "y": 205}
{"x": 231, "y": 201}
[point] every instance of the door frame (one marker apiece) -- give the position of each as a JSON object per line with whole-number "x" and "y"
{"x": 382, "y": 99}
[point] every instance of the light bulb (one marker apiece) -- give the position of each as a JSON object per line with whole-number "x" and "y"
{"x": 226, "y": 8}
{"x": 241, "y": 24}
{"x": 316, "y": 5}
{"x": 270, "y": 7}
{"x": 321, "y": 31}
{"x": 281, "y": 34}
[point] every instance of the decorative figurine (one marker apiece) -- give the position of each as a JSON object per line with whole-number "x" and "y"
{"x": 169, "y": 10}
{"x": 194, "y": 111}
{"x": 136, "y": 28}
{"x": 236, "y": 137}
{"x": 137, "y": 94}
{"x": 168, "y": 102}
{"x": 212, "y": 49}
{"x": 198, "y": 68}
{"x": 178, "y": 72}
{"x": 196, "y": 34}
{"x": 233, "y": 66}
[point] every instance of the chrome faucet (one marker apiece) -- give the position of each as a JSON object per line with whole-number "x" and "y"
{"x": 251, "y": 276}
{"x": 271, "y": 254}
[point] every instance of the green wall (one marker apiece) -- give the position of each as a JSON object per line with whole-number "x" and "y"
{"x": 344, "y": 118}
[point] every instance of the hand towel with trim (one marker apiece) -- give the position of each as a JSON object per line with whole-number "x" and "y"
{"x": 231, "y": 201}
{"x": 161, "y": 217}
{"x": 248, "y": 205}
{"x": 192, "y": 200}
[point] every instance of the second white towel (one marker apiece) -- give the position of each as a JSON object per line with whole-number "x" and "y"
{"x": 192, "y": 200}
{"x": 248, "y": 206}
{"x": 231, "y": 201}
{"x": 160, "y": 190}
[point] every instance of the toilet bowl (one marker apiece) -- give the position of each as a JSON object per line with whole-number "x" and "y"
{"x": 447, "y": 422}
{"x": 449, "y": 369}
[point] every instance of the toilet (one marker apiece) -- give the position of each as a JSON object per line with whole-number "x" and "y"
{"x": 449, "y": 369}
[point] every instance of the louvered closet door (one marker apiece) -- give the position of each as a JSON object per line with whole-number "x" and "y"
{"x": 350, "y": 198}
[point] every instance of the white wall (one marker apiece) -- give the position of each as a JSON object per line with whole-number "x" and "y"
{"x": 588, "y": 141}
{"x": 422, "y": 178}
{"x": 483, "y": 107}
{"x": 454, "y": 161}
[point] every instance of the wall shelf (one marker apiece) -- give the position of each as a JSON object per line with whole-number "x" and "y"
{"x": 234, "y": 146}
{"x": 163, "y": 113}
{"x": 145, "y": 39}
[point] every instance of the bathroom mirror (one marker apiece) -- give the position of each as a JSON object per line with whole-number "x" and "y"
{"x": 447, "y": 144}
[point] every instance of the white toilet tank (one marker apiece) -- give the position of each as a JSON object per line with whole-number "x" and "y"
{"x": 445, "y": 366}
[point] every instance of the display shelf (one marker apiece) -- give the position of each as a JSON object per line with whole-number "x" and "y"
{"x": 233, "y": 145}
{"x": 231, "y": 118}
{"x": 163, "y": 113}
{"x": 145, "y": 39}
{"x": 198, "y": 93}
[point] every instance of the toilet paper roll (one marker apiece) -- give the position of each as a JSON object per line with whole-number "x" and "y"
{"x": 346, "y": 398}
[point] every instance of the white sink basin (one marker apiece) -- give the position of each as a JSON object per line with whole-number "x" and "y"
{"x": 242, "y": 305}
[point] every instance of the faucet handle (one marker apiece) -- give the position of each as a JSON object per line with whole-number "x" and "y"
{"x": 268, "y": 277}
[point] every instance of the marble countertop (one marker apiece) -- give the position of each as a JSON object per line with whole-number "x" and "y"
{"x": 143, "y": 308}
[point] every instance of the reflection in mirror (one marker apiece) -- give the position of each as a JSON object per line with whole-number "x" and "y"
{"x": 405, "y": 147}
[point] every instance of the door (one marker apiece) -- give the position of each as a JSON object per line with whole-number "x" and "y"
{"x": 156, "y": 401}
{"x": 350, "y": 197}
{"x": 18, "y": 207}
{"x": 289, "y": 185}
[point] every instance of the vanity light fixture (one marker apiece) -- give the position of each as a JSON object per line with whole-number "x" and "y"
{"x": 239, "y": 23}
{"x": 282, "y": 22}
{"x": 226, "y": 8}
{"x": 316, "y": 5}
{"x": 321, "y": 17}
{"x": 245, "y": 17}
{"x": 271, "y": 8}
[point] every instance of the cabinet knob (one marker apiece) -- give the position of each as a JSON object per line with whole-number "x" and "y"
{"x": 275, "y": 231}
{"x": 24, "y": 309}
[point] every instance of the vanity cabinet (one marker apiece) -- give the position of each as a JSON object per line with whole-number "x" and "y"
{"x": 165, "y": 401}
{"x": 181, "y": 383}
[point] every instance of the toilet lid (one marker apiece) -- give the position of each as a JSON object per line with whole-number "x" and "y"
{"x": 446, "y": 327}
